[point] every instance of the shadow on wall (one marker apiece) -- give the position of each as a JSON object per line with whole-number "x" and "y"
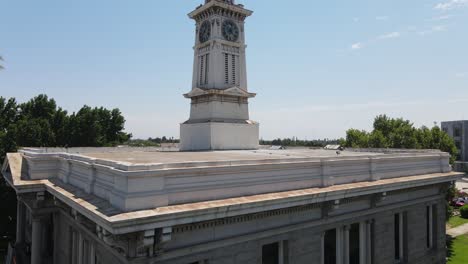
{"x": 7, "y": 217}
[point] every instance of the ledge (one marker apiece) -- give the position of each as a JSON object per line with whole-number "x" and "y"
{"x": 118, "y": 222}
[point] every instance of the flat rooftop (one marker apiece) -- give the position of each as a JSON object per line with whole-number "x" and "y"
{"x": 175, "y": 159}
{"x": 142, "y": 157}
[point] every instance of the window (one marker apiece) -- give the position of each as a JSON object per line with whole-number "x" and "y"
{"x": 207, "y": 65}
{"x": 458, "y": 144}
{"x": 275, "y": 253}
{"x": 226, "y": 68}
{"x": 234, "y": 69}
{"x": 354, "y": 244}
{"x": 457, "y": 132}
{"x": 202, "y": 69}
{"x": 431, "y": 224}
{"x": 329, "y": 247}
{"x": 231, "y": 73}
{"x": 399, "y": 236}
{"x": 351, "y": 244}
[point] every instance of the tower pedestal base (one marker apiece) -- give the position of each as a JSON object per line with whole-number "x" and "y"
{"x": 219, "y": 136}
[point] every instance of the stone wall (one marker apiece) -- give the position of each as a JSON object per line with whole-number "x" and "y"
{"x": 75, "y": 245}
{"x": 304, "y": 245}
{"x": 240, "y": 239}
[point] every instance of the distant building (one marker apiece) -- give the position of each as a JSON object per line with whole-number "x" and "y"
{"x": 458, "y": 130}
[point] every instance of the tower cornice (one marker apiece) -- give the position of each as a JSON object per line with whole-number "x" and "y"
{"x": 214, "y": 7}
{"x": 233, "y": 91}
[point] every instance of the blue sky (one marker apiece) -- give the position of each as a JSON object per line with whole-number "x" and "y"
{"x": 319, "y": 67}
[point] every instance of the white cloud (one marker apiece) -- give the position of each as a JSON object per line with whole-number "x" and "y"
{"x": 382, "y": 18}
{"x": 434, "y": 29}
{"x": 390, "y": 35}
{"x": 356, "y": 19}
{"x": 451, "y": 4}
{"x": 356, "y": 46}
{"x": 360, "y": 45}
{"x": 439, "y": 18}
{"x": 461, "y": 74}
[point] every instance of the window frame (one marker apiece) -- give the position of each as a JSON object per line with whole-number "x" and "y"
{"x": 283, "y": 251}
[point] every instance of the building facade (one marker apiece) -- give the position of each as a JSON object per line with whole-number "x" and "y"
{"x": 260, "y": 207}
{"x": 458, "y": 130}
{"x": 237, "y": 206}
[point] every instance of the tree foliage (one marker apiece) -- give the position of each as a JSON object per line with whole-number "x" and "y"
{"x": 40, "y": 123}
{"x": 151, "y": 142}
{"x": 295, "y": 142}
{"x": 464, "y": 211}
{"x": 399, "y": 133}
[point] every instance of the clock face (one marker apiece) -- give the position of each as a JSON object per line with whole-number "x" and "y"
{"x": 205, "y": 32}
{"x": 230, "y": 30}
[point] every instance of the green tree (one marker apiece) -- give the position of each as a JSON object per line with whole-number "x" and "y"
{"x": 378, "y": 140}
{"x": 97, "y": 127}
{"x": 399, "y": 133}
{"x": 40, "y": 123}
{"x": 357, "y": 139}
{"x": 8, "y": 113}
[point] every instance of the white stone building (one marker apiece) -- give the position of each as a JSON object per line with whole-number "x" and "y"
{"x": 246, "y": 206}
{"x": 264, "y": 206}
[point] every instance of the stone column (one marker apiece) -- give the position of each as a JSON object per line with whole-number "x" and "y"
{"x": 362, "y": 243}
{"x": 36, "y": 247}
{"x": 346, "y": 245}
{"x": 74, "y": 247}
{"x": 20, "y": 221}
{"x": 339, "y": 245}
{"x": 369, "y": 241}
{"x": 92, "y": 252}
{"x": 281, "y": 252}
{"x": 80, "y": 248}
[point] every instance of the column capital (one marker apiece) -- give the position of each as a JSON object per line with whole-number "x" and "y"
{"x": 39, "y": 217}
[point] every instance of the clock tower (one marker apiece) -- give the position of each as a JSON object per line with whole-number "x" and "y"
{"x": 219, "y": 114}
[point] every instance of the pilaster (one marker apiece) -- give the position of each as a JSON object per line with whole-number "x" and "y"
{"x": 362, "y": 243}
{"x": 20, "y": 221}
{"x": 346, "y": 251}
{"x": 340, "y": 243}
{"x": 36, "y": 243}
